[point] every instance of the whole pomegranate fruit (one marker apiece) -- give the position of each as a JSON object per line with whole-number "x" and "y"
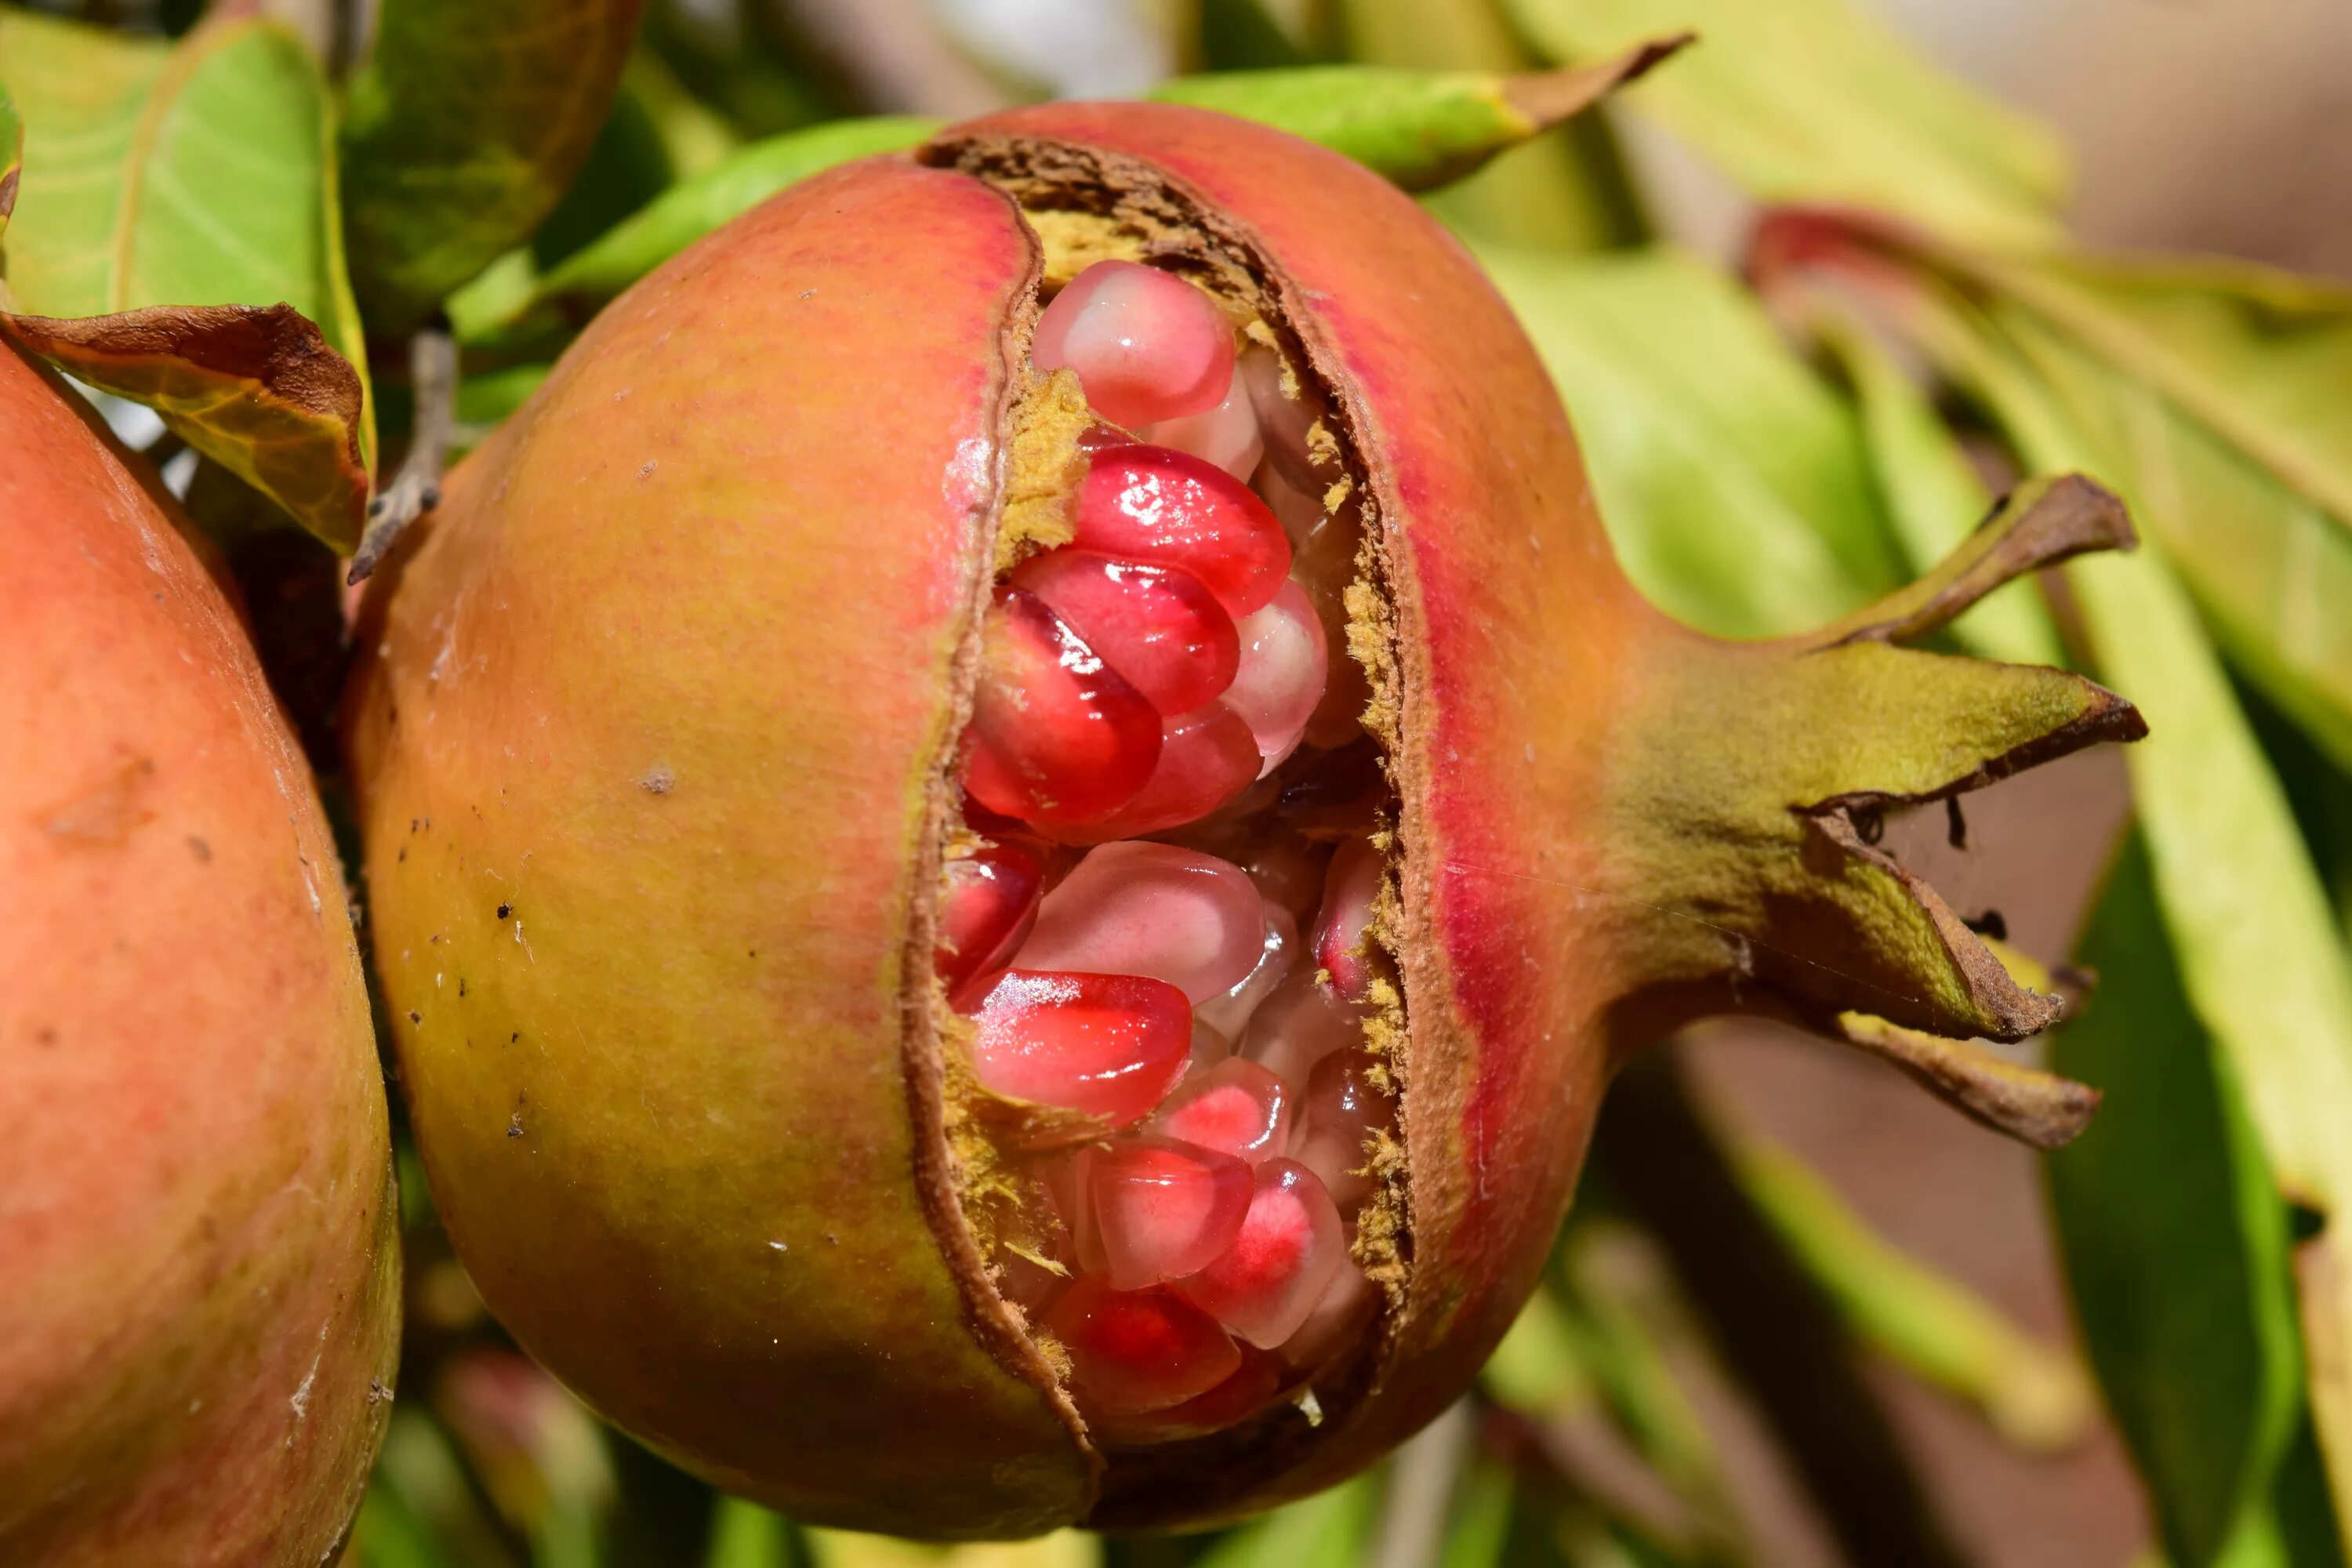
{"x": 1015, "y": 825}
{"x": 197, "y": 1232}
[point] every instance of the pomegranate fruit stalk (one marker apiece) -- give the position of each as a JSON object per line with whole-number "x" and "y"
{"x": 200, "y": 1321}
{"x": 1015, "y": 826}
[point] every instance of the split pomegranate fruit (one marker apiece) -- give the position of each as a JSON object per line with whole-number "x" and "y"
{"x": 1014, "y": 827}
{"x": 199, "y": 1320}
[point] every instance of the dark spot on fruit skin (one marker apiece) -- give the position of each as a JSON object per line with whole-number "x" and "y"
{"x": 105, "y": 815}
{"x": 415, "y": 1017}
{"x": 659, "y": 780}
{"x": 45, "y": 1036}
{"x": 513, "y": 1037}
{"x": 198, "y": 847}
{"x": 461, "y": 985}
{"x": 402, "y": 858}
{"x": 505, "y": 911}
{"x": 514, "y": 1125}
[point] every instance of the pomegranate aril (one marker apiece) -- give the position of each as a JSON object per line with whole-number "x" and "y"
{"x": 1064, "y": 1176}
{"x": 1337, "y": 1321}
{"x": 1156, "y": 504}
{"x": 1146, "y": 345}
{"x": 1284, "y": 421}
{"x": 1029, "y": 1284}
{"x": 1291, "y": 1243}
{"x": 1300, "y": 1024}
{"x": 1226, "y": 435}
{"x": 1209, "y": 1049}
{"x": 1163, "y": 1208}
{"x": 1206, "y": 757}
{"x": 1133, "y": 1350}
{"x": 1279, "y": 680}
{"x": 1135, "y": 908}
{"x": 1348, "y": 889}
{"x": 1163, "y": 632}
{"x": 1107, "y": 1044}
{"x": 1237, "y": 1108}
{"x": 1229, "y": 1015}
{"x": 1299, "y": 511}
{"x": 989, "y": 905}
{"x": 1340, "y": 1110}
{"x": 1288, "y": 872}
{"x": 1251, "y": 1389}
{"x": 1056, "y": 735}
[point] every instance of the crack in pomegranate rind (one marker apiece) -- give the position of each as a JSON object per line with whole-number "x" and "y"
{"x": 1182, "y": 1019}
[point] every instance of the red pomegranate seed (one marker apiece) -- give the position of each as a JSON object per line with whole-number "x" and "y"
{"x": 1280, "y": 678}
{"x": 1151, "y": 503}
{"x": 1109, "y": 1044}
{"x": 1348, "y": 889}
{"x": 1226, "y": 435}
{"x": 1338, "y": 1115}
{"x": 1300, "y": 1024}
{"x": 1028, "y": 1283}
{"x": 1163, "y": 632}
{"x": 1231, "y": 1402}
{"x": 1146, "y": 344}
{"x": 1056, "y": 737}
{"x": 1163, "y": 1208}
{"x": 1236, "y": 1108}
{"x": 989, "y": 904}
{"x": 1133, "y": 1350}
{"x": 1206, "y": 757}
{"x": 1337, "y": 1321}
{"x": 1136, "y": 908}
{"x": 1230, "y": 1015}
{"x": 1289, "y": 874}
{"x": 1265, "y": 1284}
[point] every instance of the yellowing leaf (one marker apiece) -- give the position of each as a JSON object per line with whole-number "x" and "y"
{"x": 256, "y": 390}
{"x": 1811, "y": 100}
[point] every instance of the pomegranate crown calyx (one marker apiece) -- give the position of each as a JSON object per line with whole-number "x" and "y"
{"x": 1761, "y": 798}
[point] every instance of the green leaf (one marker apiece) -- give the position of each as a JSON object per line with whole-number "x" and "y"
{"x": 2174, "y": 1240}
{"x": 2260, "y": 961}
{"x": 2225, "y": 388}
{"x": 1419, "y": 128}
{"x": 1734, "y": 480}
{"x": 256, "y": 390}
{"x": 164, "y": 177}
{"x": 1328, "y": 1530}
{"x": 1810, "y": 101}
{"x": 464, "y": 126}
{"x": 12, "y": 156}
{"x": 2035, "y": 1395}
{"x": 1932, "y": 495}
{"x": 1480, "y": 1522}
{"x": 497, "y": 311}
{"x": 745, "y": 1535}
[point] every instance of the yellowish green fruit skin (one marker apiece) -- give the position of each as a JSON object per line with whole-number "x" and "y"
{"x": 665, "y": 681}
{"x": 199, "y": 1257}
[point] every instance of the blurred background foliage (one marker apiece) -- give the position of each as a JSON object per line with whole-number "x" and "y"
{"x": 1813, "y": 297}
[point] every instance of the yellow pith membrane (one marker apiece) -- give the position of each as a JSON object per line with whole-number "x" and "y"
{"x": 1171, "y": 1016}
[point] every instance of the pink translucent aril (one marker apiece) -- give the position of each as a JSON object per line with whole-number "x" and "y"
{"x": 1231, "y": 1402}
{"x": 1064, "y": 1176}
{"x": 1300, "y": 1024}
{"x": 1338, "y": 1322}
{"x": 1156, "y": 504}
{"x": 1107, "y": 1044}
{"x": 1349, "y": 887}
{"x": 1226, "y": 435}
{"x": 1284, "y": 421}
{"x": 1300, "y": 513}
{"x": 1335, "y": 1120}
{"x": 1206, "y": 757}
{"x": 1056, "y": 736}
{"x": 1028, "y": 1283}
{"x": 1209, "y": 1049}
{"x": 1136, "y": 908}
{"x": 1163, "y": 1208}
{"x": 1236, "y": 1108}
{"x": 1156, "y": 625}
{"x": 1136, "y": 1350}
{"x": 1291, "y": 1243}
{"x": 1284, "y": 665}
{"x": 1146, "y": 345}
{"x": 990, "y": 903}
{"x": 1288, "y": 872}
{"x": 1230, "y": 1015}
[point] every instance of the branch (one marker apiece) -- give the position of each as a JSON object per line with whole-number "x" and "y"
{"x": 1420, "y": 1491}
{"x": 415, "y": 486}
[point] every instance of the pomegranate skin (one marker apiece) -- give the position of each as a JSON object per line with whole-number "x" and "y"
{"x": 673, "y": 671}
{"x": 198, "y": 1229}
